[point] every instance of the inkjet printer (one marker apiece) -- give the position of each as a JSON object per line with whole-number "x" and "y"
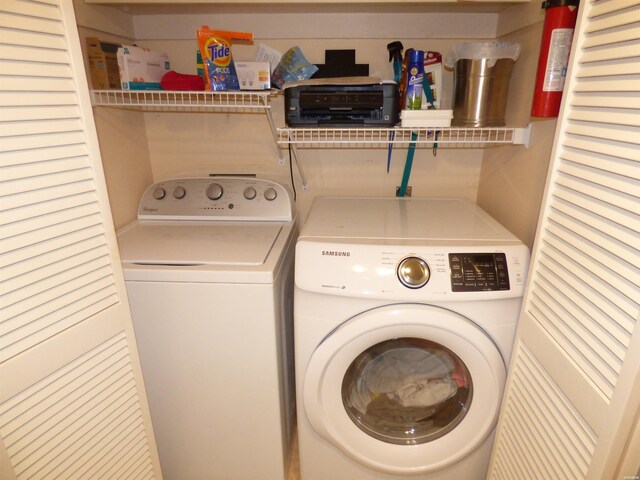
{"x": 341, "y": 102}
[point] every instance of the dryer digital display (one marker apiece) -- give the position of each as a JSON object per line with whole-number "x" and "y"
{"x": 474, "y": 272}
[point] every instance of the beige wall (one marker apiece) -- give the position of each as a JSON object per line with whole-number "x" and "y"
{"x": 125, "y": 156}
{"x": 512, "y": 178}
{"x": 122, "y": 135}
{"x": 184, "y": 144}
{"x": 139, "y": 148}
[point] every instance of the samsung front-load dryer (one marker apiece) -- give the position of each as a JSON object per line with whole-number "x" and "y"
{"x": 208, "y": 267}
{"x": 404, "y": 318}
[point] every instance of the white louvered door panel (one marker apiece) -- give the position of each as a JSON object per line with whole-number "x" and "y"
{"x": 72, "y": 400}
{"x": 573, "y": 392}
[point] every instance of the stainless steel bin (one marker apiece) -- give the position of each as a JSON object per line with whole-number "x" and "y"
{"x": 480, "y": 91}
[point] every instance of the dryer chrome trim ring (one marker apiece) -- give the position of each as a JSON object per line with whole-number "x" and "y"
{"x": 322, "y": 386}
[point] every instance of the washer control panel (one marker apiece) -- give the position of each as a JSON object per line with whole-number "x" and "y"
{"x": 216, "y": 198}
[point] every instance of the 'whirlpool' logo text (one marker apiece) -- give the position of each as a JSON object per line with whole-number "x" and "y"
{"x": 335, "y": 253}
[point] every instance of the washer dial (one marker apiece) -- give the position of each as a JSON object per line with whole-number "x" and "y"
{"x": 413, "y": 272}
{"x": 214, "y": 191}
{"x": 250, "y": 193}
{"x": 159, "y": 193}
{"x": 270, "y": 194}
{"x": 179, "y": 192}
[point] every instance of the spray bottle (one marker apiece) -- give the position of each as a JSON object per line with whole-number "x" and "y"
{"x": 395, "y": 56}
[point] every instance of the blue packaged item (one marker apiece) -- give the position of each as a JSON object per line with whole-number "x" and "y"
{"x": 293, "y": 66}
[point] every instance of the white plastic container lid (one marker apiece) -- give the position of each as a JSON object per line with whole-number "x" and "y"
{"x": 491, "y": 51}
{"x": 426, "y": 118}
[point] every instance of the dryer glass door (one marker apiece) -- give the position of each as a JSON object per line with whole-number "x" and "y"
{"x": 407, "y": 391}
{"x": 405, "y": 388}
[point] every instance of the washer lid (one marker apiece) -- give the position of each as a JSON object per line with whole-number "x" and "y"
{"x": 198, "y": 243}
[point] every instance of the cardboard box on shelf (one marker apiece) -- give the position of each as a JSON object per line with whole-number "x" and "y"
{"x": 253, "y": 75}
{"x": 141, "y": 68}
{"x": 103, "y": 64}
{"x": 433, "y": 72}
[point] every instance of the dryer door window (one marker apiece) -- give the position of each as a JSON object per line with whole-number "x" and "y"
{"x": 406, "y": 388}
{"x": 407, "y": 391}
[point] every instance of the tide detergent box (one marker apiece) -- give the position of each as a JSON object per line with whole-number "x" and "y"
{"x": 215, "y": 49}
{"x": 141, "y": 68}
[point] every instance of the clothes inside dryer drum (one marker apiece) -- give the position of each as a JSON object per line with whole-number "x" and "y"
{"x": 407, "y": 391}
{"x": 415, "y": 377}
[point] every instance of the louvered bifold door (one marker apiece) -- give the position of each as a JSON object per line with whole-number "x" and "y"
{"x": 573, "y": 392}
{"x": 72, "y": 401}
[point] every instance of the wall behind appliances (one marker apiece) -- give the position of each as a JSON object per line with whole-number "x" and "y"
{"x": 199, "y": 144}
{"x": 139, "y": 148}
{"x": 122, "y": 134}
{"x": 221, "y": 143}
{"x": 512, "y": 178}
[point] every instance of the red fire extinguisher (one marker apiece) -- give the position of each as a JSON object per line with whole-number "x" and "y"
{"x": 557, "y": 34}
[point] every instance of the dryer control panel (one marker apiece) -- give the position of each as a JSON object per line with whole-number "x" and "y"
{"x": 412, "y": 272}
{"x": 216, "y": 198}
{"x": 477, "y": 272}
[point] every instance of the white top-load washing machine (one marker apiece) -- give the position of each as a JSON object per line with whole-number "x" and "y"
{"x": 208, "y": 267}
{"x": 405, "y": 313}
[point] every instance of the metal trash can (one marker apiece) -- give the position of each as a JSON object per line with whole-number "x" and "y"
{"x": 482, "y": 73}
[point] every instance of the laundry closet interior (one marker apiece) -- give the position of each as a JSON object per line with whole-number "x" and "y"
{"x": 141, "y": 147}
{"x": 565, "y": 189}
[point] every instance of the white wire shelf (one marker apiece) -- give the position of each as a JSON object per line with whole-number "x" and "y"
{"x": 383, "y": 137}
{"x": 176, "y": 101}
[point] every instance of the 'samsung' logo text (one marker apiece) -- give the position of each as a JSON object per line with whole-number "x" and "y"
{"x": 335, "y": 253}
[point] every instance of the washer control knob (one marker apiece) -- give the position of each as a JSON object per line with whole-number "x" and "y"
{"x": 159, "y": 193}
{"x": 413, "y": 272}
{"x": 270, "y": 194}
{"x": 179, "y": 192}
{"x": 214, "y": 191}
{"x": 250, "y": 193}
